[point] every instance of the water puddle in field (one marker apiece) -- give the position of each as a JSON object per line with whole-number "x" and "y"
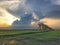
{"x": 9, "y": 42}
{"x": 13, "y": 42}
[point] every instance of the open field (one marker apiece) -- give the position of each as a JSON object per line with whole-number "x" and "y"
{"x": 29, "y": 37}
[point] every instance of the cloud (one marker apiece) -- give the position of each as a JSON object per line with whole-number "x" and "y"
{"x": 45, "y": 8}
{"x": 26, "y": 19}
{"x": 6, "y": 18}
{"x": 12, "y": 5}
{"x": 35, "y": 16}
{"x": 31, "y": 11}
{"x": 49, "y": 9}
{"x": 54, "y": 14}
{"x": 33, "y": 23}
{"x": 56, "y": 2}
{"x": 53, "y": 23}
{"x": 16, "y": 6}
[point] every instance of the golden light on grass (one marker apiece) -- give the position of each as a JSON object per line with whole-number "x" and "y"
{"x": 13, "y": 42}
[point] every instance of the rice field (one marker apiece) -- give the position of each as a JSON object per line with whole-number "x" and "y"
{"x": 29, "y": 37}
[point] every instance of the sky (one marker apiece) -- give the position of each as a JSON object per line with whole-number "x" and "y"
{"x": 28, "y": 13}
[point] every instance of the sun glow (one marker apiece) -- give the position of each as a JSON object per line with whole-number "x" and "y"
{"x": 6, "y": 19}
{"x": 54, "y": 23}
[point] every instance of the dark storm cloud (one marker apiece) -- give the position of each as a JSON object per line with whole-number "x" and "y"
{"x": 54, "y": 14}
{"x": 47, "y": 8}
{"x": 25, "y": 20}
{"x": 42, "y": 8}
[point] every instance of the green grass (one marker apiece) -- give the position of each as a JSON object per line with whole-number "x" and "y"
{"x": 31, "y": 37}
{"x": 4, "y": 32}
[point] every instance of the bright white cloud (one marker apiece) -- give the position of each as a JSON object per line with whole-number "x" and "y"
{"x": 35, "y": 16}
